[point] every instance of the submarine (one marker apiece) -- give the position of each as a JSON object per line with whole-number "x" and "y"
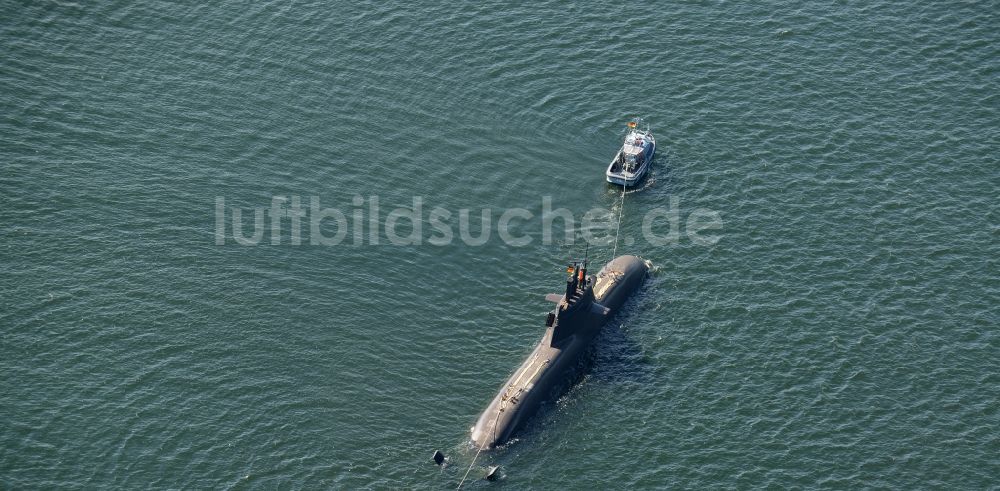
{"x": 587, "y": 304}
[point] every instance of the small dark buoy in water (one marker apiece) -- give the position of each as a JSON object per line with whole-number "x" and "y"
{"x": 438, "y": 457}
{"x": 493, "y": 473}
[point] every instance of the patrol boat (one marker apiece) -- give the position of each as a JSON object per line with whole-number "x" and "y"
{"x": 634, "y": 158}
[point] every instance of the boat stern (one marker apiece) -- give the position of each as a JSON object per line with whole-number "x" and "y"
{"x": 622, "y": 179}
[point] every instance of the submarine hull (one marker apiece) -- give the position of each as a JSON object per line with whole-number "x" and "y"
{"x": 552, "y": 365}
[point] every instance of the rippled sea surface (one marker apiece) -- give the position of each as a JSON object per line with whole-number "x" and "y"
{"x": 842, "y": 333}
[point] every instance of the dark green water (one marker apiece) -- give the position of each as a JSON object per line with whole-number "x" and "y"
{"x": 842, "y": 333}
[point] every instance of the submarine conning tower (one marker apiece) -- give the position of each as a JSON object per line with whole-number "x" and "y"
{"x": 571, "y": 313}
